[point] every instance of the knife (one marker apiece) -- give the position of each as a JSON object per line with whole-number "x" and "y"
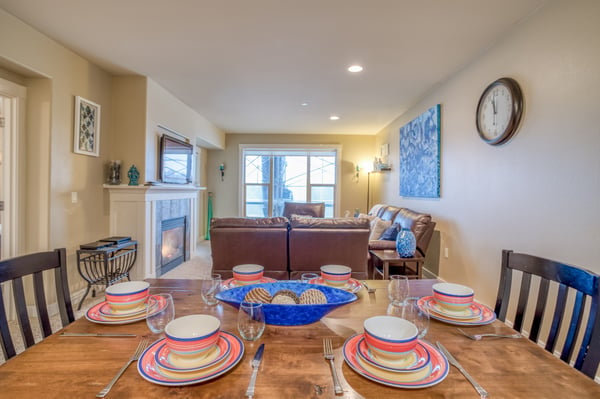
{"x": 482, "y": 392}
{"x": 255, "y": 363}
{"x": 67, "y": 334}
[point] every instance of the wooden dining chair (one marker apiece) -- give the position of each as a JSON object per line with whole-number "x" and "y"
{"x": 575, "y": 310}
{"x": 24, "y": 276}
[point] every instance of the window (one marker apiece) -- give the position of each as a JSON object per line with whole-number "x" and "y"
{"x": 274, "y": 175}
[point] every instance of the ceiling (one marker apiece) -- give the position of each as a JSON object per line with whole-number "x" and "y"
{"x": 249, "y": 65}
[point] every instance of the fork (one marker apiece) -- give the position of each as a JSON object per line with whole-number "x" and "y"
{"x": 138, "y": 352}
{"x": 369, "y": 290}
{"x": 478, "y": 337}
{"x": 328, "y": 352}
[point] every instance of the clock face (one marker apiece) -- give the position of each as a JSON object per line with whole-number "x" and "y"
{"x": 499, "y": 111}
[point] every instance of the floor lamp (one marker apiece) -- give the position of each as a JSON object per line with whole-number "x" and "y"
{"x": 368, "y": 191}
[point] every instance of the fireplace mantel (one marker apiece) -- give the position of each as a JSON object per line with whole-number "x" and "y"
{"x": 134, "y": 212}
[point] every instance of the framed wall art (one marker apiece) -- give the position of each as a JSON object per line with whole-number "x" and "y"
{"x": 420, "y": 155}
{"x": 87, "y": 127}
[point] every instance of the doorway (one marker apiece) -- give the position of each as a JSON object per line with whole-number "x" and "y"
{"x": 12, "y": 100}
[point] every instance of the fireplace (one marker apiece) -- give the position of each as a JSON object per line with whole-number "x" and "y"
{"x": 139, "y": 211}
{"x": 172, "y": 244}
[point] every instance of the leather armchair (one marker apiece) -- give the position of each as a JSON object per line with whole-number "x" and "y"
{"x": 313, "y": 209}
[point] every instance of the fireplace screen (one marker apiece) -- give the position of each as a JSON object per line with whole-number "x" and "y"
{"x": 172, "y": 244}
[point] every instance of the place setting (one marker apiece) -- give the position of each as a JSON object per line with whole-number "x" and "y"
{"x": 246, "y": 274}
{"x": 128, "y": 302}
{"x": 336, "y": 276}
{"x": 392, "y": 352}
{"x": 454, "y": 304}
{"x": 194, "y": 350}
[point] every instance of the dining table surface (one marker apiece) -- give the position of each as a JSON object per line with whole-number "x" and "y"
{"x": 293, "y": 364}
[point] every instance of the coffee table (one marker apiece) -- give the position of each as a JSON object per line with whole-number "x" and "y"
{"x": 390, "y": 257}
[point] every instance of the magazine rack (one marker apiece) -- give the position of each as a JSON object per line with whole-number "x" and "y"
{"x": 106, "y": 264}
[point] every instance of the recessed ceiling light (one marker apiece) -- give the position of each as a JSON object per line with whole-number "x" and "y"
{"x": 355, "y": 68}
{"x": 334, "y": 117}
{"x": 304, "y": 104}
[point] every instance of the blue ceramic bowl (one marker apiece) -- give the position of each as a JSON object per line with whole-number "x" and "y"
{"x": 290, "y": 315}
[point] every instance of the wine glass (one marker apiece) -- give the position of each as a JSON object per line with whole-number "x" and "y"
{"x": 159, "y": 312}
{"x": 307, "y": 277}
{"x": 210, "y": 288}
{"x": 251, "y": 320}
{"x": 398, "y": 289}
{"x": 417, "y": 315}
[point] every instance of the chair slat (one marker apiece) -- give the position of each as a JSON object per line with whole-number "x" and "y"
{"x": 8, "y": 349}
{"x": 22, "y": 315}
{"x": 40, "y": 299}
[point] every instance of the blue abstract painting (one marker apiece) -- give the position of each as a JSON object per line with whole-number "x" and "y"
{"x": 420, "y": 155}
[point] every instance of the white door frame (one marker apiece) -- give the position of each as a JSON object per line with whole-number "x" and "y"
{"x": 13, "y": 97}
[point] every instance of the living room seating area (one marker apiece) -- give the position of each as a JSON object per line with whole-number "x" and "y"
{"x": 287, "y": 248}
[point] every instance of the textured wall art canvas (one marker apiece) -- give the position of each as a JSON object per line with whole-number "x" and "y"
{"x": 420, "y": 155}
{"x": 87, "y": 127}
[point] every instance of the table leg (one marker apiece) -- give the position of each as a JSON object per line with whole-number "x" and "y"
{"x": 386, "y": 269}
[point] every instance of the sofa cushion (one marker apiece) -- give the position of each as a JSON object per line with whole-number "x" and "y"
{"x": 329, "y": 223}
{"x": 390, "y": 233}
{"x": 378, "y": 227}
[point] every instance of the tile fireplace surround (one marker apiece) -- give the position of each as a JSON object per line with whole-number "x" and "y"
{"x": 138, "y": 211}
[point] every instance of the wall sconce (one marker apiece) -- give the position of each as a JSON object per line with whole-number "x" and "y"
{"x": 222, "y": 169}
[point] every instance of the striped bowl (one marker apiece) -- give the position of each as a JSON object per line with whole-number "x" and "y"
{"x": 192, "y": 336}
{"x": 454, "y": 297}
{"x": 390, "y": 338}
{"x": 127, "y": 296}
{"x": 248, "y": 274}
{"x": 336, "y": 275}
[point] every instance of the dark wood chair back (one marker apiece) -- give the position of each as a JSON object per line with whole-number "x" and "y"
{"x": 575, "y": 310}
{"x": 17, "y": 271}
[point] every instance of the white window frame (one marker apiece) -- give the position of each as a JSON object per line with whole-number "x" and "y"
{"x": 292, "y": 147}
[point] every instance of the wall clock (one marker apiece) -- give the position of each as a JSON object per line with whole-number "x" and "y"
{"x": 499, "y": 111}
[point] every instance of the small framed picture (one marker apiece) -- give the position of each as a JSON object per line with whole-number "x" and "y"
{"x": 87, "y": 127}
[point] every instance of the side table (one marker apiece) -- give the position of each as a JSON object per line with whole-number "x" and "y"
{"x": 390, "y": 257}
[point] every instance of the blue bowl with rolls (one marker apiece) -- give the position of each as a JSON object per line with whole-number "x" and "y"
{"x": 290, "y": 314}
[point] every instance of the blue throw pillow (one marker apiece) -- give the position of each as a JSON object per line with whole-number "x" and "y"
{"x": 390, "y": 233}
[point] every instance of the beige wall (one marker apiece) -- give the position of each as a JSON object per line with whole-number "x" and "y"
{"x": 54, "y": 76}
{"x": 539, "y": 193}
{"x": 166, "y": 110}
{"x": 131, "y": 106}
{"x": 355, "y": 149}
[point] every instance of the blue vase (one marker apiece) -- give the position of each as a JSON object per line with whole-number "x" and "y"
{"x": 406, "y": 243}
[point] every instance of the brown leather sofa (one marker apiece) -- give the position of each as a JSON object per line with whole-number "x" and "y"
{"x": 421, "y": 225}
{"x": 316, "y": 242}
{"x": 288, "y": 249}
{"x": 262, "y": 241}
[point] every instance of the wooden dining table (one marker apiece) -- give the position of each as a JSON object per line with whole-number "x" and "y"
{"x": 293, "y": 365}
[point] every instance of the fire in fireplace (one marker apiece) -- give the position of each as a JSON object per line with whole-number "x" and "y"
{"x": 173, "y": 241}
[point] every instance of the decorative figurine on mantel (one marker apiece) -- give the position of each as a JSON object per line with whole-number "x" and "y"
{"x": 134, "y": 176}
{"x": 114, "y": 172}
